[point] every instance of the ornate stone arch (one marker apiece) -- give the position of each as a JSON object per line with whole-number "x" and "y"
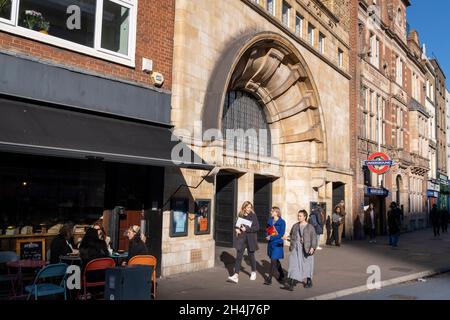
{"x": 271, "y": 68}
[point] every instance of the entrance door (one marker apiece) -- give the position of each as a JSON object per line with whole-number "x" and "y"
{"x": 338, "y": 195}
{"x": 226, "y": 189}
{"x": 262, "y": 202}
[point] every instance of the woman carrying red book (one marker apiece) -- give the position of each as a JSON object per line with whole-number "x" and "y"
{"x": 276, "y": 227}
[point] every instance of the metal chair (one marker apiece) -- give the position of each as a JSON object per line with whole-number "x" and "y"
{"x": 5, "y": 257}
{"x": 100, "y": 264}
{"x": 41, "y": 289}
{"x": 146, "y": 260}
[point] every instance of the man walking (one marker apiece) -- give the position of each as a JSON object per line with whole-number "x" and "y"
{"x": 394, "y": 223}
{"x": 435, "y": 218}
{"x": 370, "y": 222}
{"x": 342, "y": 221}
{"x": 444, "y": 219}
{"x": 317, "y": 220}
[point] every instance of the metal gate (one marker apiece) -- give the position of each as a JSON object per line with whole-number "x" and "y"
{"x": 262, "y": 202}
{"x": 226, "y": 188}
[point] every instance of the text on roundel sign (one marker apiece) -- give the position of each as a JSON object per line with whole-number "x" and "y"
{"x": 381, "y": 160}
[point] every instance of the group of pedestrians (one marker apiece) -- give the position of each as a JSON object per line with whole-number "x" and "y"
{"x": 304, "y": 238}
{"x": 439, "y": 219}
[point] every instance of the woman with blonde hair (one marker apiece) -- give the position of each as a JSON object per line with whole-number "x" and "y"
{"x": 245, "y": 237}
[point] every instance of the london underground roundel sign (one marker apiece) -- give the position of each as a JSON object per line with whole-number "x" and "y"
{"x": 379, "y": 163}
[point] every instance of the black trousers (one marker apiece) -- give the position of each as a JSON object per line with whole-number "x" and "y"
{"x": 436, "y": 228}
{"x": 372, "y": 233}
{"x": 444, "y": 227}
{"x": 275, "y": 265}
{"x": 240, "y": 255}
{"x": 335, "y": 234}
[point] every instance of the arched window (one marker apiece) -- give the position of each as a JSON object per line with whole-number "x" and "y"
{"x": 244, "y": 125}
{"x": 399, "y": 17}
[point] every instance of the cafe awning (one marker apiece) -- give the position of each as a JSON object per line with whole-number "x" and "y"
{"x": 52, "y": 131}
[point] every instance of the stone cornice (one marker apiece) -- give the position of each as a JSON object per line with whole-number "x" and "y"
{"x": 293, "y": 36}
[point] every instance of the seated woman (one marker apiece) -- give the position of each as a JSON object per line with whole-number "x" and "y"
{"x": 137, "y": 244}
{"x": 92, "y": 247}
{"x": 102, "y": 235}
{"x": 62, "y": 245}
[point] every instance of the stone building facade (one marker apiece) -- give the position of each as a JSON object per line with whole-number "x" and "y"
{"x": 441, "y": 133}
{"x": 285, "y": 66}
{"x": 388, "y": 104}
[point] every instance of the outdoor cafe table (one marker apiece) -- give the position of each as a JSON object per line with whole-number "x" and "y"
{"x": 20, "y": 265}
{"x": 119, "y": 257}
{"x": 71, "y": 260}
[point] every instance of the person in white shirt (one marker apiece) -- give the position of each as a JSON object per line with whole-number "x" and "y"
{"x": 370, "y": 223}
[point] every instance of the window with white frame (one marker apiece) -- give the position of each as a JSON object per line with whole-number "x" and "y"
{"x": 102, "y": 28}
{"x": 363, "y": 129}
{"x": 286, "y": 13}
{"x": 6, "y": 10}
{"x": 340, "y": 58}
{"x": 321, "y": 43}
{"x": 299, "y": 25}
{"x": 271, "y": 7}
{"x": 375, "y": 51}
{"x": 399, "y": 71}
{"x": 311, "y": 30}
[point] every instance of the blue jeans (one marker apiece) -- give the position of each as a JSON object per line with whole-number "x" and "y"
{"x": 393, "y": 239}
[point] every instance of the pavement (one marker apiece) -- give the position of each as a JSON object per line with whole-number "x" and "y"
{"x": 339, "y": 271}
{"x": 434, "y": 288}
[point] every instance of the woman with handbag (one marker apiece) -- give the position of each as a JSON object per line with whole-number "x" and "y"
{"x": 245, "y": 237}
{"x": 276, "y": 227}
{"x": 303, "y": 240}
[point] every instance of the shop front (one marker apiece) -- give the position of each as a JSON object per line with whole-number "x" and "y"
{"x": 377, "y": 196}
{"x": 433, "y": 190}
{"x": 78, "y": 153}
{"x": 444, "y": 191}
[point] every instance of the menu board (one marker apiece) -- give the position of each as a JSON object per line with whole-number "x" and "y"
{"x": 31, "y": 249}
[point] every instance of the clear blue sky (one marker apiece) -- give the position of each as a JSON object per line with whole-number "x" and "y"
{"x": 431, "y": 18}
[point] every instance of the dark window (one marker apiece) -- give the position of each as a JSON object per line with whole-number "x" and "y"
{"x": 5, "y": 9}
{"x": 243, "y": 114}
{"x": 115, "y": 27}
{"x": 51, "y": 16}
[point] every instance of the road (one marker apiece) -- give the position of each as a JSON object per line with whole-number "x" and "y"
{"x": 434, "y": 288}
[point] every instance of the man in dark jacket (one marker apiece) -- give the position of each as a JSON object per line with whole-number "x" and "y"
{"x": 370, "y": 222}
{"x": 317, "y": 220}
{"x": 444, "y": 219}
{"x": 435, "y": 218}
{"x": 394, "y": 223}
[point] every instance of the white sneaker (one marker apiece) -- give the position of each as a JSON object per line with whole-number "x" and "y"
{"x": 253, "y": 276}
{"x": 319, "y": 248}
{"x": 234, "y": 278}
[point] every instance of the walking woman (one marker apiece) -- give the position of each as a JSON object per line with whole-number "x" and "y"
{"x": 336, "y": 221}
{"x": 303, "y": 245}
{"x": 245, "y": 237}
{"x": 276, "y": 227}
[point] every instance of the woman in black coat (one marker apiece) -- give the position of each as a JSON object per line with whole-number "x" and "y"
{"x": 245, "y": 237}
{"x": 62, "y": 245}
{"x": 137, "y": 246}
{"x": 92, "y": 247}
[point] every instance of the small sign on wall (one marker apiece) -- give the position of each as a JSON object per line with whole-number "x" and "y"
{"x": 202, "y": 217}
{"x": 179, "y": 217}
{"x": 31, "y": 249}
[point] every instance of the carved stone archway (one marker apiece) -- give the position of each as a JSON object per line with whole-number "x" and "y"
{"x": 272, "y": 69}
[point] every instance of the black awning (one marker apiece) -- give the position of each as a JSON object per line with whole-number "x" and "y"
{"x": 50, "y": 131}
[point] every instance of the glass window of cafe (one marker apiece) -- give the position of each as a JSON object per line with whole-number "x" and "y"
{"x": 36, "y": 190}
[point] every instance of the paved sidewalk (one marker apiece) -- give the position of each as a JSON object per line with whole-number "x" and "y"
{"x": 336, "y": 269}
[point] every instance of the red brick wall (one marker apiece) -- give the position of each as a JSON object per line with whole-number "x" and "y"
{"x": 154, "y": 40}
{"x": 354, "y": 97}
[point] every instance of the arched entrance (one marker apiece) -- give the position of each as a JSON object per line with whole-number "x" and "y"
{"x": 268, "y": 88}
